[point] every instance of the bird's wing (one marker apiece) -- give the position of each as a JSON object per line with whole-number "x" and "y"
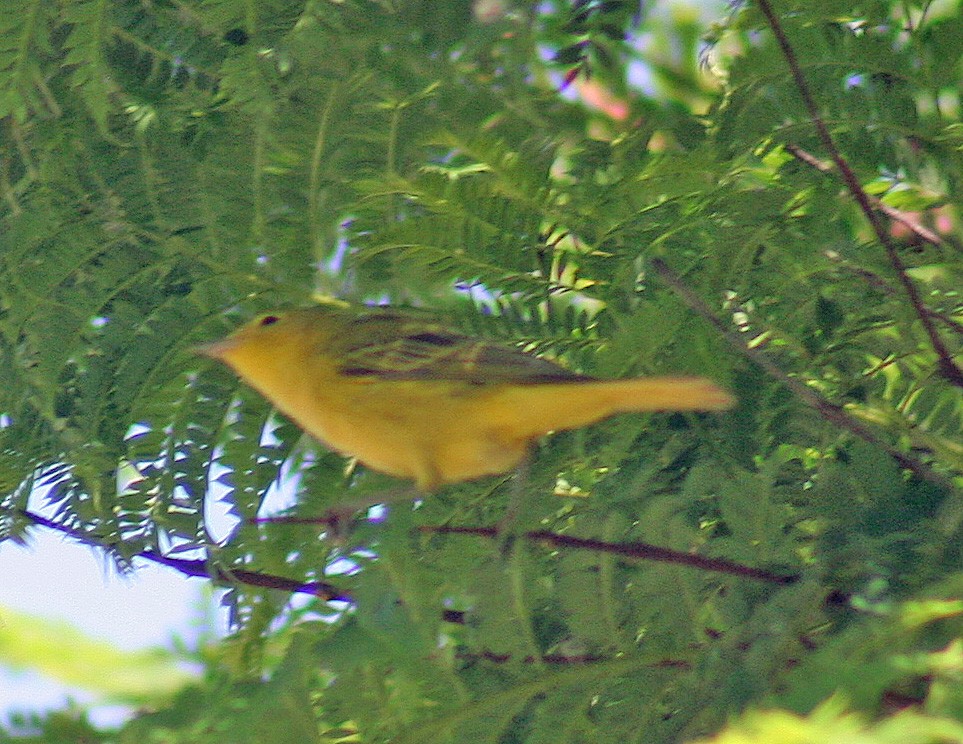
{"x": 396, "y": 345}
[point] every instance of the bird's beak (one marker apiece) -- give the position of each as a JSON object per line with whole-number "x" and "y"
{"x": 215, "y": 349}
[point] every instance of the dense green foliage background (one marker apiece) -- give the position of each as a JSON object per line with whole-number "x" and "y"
{"x": 169, "y": 169}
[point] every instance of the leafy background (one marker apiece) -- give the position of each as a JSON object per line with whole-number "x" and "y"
{"x": 777, "y": 207}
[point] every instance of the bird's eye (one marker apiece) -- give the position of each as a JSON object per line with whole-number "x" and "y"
{"x": 269, "y": 320}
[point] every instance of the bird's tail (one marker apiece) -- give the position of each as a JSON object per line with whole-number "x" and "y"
{"x": 570, "y": 405}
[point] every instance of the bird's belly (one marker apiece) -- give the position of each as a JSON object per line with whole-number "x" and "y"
{"x": 433, "y": 441}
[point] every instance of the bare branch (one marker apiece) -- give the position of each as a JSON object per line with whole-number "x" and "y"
{"x": 923, "y": 233}
{"x": 945, "y": 363}
{"x": 878, "y": 283}
{"x": 204, "y": 569}
{"x": 638, "y": 550}
{"x": 830, "y": 411}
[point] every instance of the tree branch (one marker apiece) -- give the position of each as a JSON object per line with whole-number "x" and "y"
{"x": 830, "y": 411}
{"x": 878, "y": 283}
{"x": 923, "y": 233}
{"x": 945, "y": 363}
{"x": 204, "y": 569}
{"x": 638, "y": 550}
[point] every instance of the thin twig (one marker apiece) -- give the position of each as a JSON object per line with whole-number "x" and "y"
{"x": 945, "y": 363}
{"x": 639, "y": 550}
{"x": 204, "y": 569}
{"x": 558, "y": 659}
{"x": 923, "y": 233}
{"x": 830, "y": 411}
{"x": 878, "y": 283}
{"x": 561, "y": 659}
{"x": 322, "y": 589}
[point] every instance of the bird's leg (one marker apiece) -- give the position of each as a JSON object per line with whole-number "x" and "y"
{"x": 507, "y": 527}
{"x": 338, "y": 517}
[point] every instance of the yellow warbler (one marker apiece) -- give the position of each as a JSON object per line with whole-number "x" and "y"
{"x": 413, "y": 399}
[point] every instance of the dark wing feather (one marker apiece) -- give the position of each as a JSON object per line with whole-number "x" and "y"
{"x": 395, "y": 345}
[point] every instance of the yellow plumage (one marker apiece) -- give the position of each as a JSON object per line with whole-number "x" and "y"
{"x": 413, "y": 399}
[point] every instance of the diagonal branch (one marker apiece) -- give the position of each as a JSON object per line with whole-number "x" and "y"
{"x": 923, "y": 233}
{"x": 639, "y": 550}
{"x": 833, "y": 413}
{"x": 881, "y": 285}
{"x": 642, "y": 551}
{"x": 204, "y": 569}
{"x": 947, "y": 367}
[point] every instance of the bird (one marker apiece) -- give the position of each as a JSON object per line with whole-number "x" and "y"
{"x": 410, "y": 397}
